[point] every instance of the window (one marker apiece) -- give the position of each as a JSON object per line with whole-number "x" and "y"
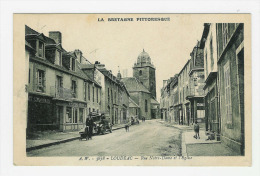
{"x": 88, "y": 92}
{"x": 74, "y": 88}
{"x": 29, "y": 80}
{"x": 115, "y": 96}
{"x": 68, "y": 115}
{"x": 97, "y": 94}
{"x": 227, "y": 93}
{"x": 211, "y": 54}
{"x": 59, "y": 82}
{"x": 108, "y": 96}
{"x": 146, "y": 106}
{"x": 59, "y": 85}
{"x": 81, "y": 115}
{"x": 206, "y": 60}
{"x": 85, "y": 91}
{"x": 75, "y": 117}
{"x": 41, "y": 49}
{"x": 111, "y": 96}
{"x": 140, "y": 72}
{"x": 73, "y": 64}
{"x": 93, "y": 93}
{"x": 58, "y": 58}
{"x": 225, "y": 34}
{"x": 40, "y": 80}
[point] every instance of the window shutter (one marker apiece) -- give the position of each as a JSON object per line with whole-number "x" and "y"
{"x": 61, "y": 81}
{"x": 44, "y": 82}
{"x": 36, "y": 79}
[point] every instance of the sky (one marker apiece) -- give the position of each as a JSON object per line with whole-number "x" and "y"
{"x": 118, "y": 44}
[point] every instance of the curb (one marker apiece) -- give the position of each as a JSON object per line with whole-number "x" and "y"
{"x": 58, "y": 142}
{"x": 50, "y": 144}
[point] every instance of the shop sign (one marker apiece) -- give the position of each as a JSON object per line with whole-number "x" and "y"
{"x": 200, "y": 104}
{"x": 80, "y": 105}
{"x": 39, "y": 99}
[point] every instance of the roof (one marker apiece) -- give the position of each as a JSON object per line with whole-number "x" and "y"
{"x": 132, "y": 104}
{"x": 87, "y": 66}
{"x": 29, "y": 31}
{"x": 134, "y": 85}
{"x": 29, "y": 46}
{"x": 144, "y": 57}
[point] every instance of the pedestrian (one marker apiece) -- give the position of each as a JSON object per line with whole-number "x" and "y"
{"x": 127, "y": 125}
{"x": 91, "y": 125}
{"x": 87, "y": 128}
{"x": 197, "y": 130}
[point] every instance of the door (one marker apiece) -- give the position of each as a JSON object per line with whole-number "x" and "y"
{"x": 59, "y": 110}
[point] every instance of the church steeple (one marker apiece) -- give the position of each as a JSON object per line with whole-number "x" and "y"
{"x": 144, "y": 71}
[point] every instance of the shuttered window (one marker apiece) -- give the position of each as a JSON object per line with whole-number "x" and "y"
{"x": 40, "y": 76}
{"x": 227, "y": 93}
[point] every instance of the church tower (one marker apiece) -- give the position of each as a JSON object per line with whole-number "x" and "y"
{"x": 144, "y": 71}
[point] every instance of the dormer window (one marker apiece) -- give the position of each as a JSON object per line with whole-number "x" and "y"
{"x": 73, "y": 64}
{"x": 58, "y": 59}
{"x": 41, "y": 49}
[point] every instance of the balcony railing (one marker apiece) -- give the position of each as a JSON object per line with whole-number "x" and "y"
{"x": 62, "y": 93}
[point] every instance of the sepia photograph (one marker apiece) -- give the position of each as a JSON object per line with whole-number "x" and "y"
{"x": 133, "y": 89}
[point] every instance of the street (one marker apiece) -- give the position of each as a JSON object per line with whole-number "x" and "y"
{"x": 147, "y": 138}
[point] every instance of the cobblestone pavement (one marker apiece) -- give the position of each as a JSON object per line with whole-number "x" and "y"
{"x": 147, "y": 138}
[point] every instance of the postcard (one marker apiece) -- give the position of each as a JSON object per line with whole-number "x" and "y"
{"x": 132, "y": 89}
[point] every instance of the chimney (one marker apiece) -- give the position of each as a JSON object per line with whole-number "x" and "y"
{"x": 79, "y": 55}
{"x": 99, "y": 65}
{"x": 56, "y": 36}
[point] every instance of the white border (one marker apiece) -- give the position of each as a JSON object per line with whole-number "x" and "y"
{"x": 7, "y": 8}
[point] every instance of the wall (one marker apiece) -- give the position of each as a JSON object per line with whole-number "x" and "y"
{"x": 232, "y": 133}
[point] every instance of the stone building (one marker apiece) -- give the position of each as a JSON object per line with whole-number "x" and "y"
{"x": 142, "y": 87}
{"x": 114, "y": 95}
{"x": 140, "y": 95}
{"x": 169, "y": 99}
{"x": 183, "y": 89}
{"x": 144, "y": 71}
{"x": 174, "y": 100}
{"x": 209, "y": 44}
{"x": 195, "y": 94}
{"x": 230, "y": 44}
{"x": 57, "y": 95}
{"x": 134, "y": 109}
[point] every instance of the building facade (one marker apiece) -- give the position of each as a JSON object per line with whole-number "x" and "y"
{"x": 209, "y": 43}
{"x": 114, "y": 95}
{"x": 230, "y": 44}
{"x": 183, "y": 86}
{"x": 57, "y": 98}
{"x": 196, "y": 108}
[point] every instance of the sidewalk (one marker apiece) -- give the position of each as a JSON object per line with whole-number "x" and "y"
{"x": 200, "y": 147}
{"x": 39, "y": 140}
{"x": 203, "y": 147}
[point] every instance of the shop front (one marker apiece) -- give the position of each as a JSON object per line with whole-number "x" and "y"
{"x": 70, "y": 115}
{"x": 40, "y": 113}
